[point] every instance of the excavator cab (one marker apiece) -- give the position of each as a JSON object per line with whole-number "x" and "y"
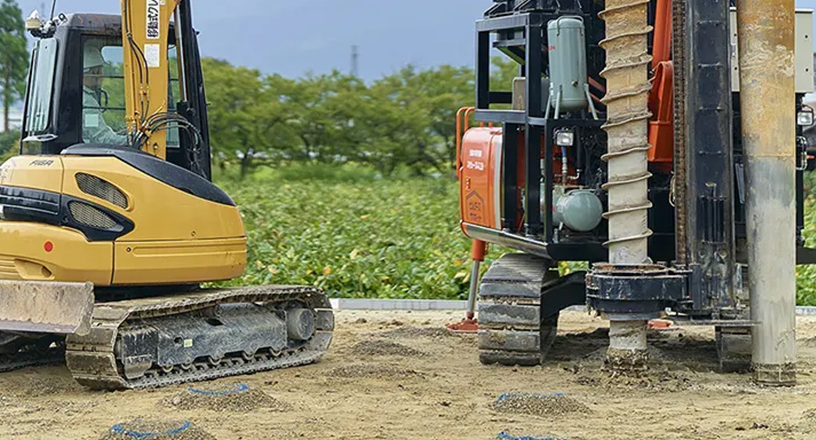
{"x": 78, "y": 63}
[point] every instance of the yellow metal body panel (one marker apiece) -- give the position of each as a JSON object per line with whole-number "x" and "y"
{"x": 159, "y": 211}
{"x": 177, "y": 238}
{"x": 44, "y": 173}
{"x": 179, "y": 261}
{"x": 23, "y": 256}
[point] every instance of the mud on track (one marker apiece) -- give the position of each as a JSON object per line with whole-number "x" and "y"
{"x": 374, "y": 385}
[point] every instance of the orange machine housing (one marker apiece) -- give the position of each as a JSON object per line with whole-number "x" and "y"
{"x": 481, "y": 177}
{"x": 480, "y": 151}
{"x": 480, "y": 201}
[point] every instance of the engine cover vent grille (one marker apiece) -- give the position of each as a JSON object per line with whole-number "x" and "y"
{"x": 90, "y": 216}
{"x": 102, "y": 189}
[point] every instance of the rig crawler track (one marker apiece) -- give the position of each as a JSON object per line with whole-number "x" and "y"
{"x": 513, "y": 329}
{"x": 124, "y": 349}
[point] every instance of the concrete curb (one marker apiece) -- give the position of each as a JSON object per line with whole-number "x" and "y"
{"x": 806, "y": 311}
{"x": 438, "y": 304}
{"x": 397, "y": 304}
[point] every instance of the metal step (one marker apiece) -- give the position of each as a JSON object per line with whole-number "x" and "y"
{"x": 734, "y": 348}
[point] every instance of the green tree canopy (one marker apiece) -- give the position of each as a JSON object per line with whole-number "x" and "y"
{"x": 405, "y": 120}
{"x": 13, "y": 55}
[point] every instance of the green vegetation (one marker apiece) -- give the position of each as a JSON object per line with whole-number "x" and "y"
{"x": 333, "y": 177}
{"x": 806, "y": 275}
{"x": 359, "y": 237}
{"x": 316, "y": 211}
{"x": 401, "y": 121}
{"x": 344, "y": 229}
{"x": 13, "y": 56}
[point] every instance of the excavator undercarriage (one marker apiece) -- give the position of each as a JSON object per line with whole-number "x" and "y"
{"x": 154, "y": 342}
{"x": 193, "y": 335}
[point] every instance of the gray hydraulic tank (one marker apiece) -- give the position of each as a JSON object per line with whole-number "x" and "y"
{"x": 568, "y": 67}
{"x": 579, "y": 210}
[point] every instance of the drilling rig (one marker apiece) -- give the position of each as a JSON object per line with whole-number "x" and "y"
{"x": 652, "y": 139}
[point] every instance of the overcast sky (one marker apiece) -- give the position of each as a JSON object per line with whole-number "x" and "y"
{"x": 292, "y": 37}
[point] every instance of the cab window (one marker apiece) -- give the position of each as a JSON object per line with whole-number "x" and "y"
{"x": 103, "y": 93}
{"x": 103, "y": 86}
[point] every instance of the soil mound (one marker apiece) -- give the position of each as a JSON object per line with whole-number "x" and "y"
{"x": 375, "y": 371}
{"x": 423, "y": 332}
{"x": 233, "y": 398}
{"x": 156, "y": 430}
{"x": 384, "y": 348}
{"x": 538, "y": 404}
{"x": 46, "y": 386}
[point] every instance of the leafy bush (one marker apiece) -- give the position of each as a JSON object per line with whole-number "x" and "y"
{"x": 386, "y": 238}
{"x": 806, "y": 275}
{"x": 9, "y": 145}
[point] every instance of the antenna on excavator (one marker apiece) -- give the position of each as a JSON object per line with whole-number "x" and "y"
{"x": 53, "y": 9}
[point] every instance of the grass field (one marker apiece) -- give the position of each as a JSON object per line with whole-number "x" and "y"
{"x": 806, "y": 275}
{"x": 355, "y": 235}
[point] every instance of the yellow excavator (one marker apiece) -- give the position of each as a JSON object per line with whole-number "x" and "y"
{"x": 110, "y": 224}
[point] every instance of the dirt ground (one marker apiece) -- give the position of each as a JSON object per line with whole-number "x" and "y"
{"x": 398, "y": 375}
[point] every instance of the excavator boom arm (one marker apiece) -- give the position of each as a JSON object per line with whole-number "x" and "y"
{"x": 145, "y": 29}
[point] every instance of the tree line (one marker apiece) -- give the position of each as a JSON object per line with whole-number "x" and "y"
{"x": 405, "y": 120}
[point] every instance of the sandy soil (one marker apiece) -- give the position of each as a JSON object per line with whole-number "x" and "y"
{"x": 397, "y": 375}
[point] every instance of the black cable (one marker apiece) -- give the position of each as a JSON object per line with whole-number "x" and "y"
{"x": 158, "y": 122}
{"x": 167, "y": 121}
